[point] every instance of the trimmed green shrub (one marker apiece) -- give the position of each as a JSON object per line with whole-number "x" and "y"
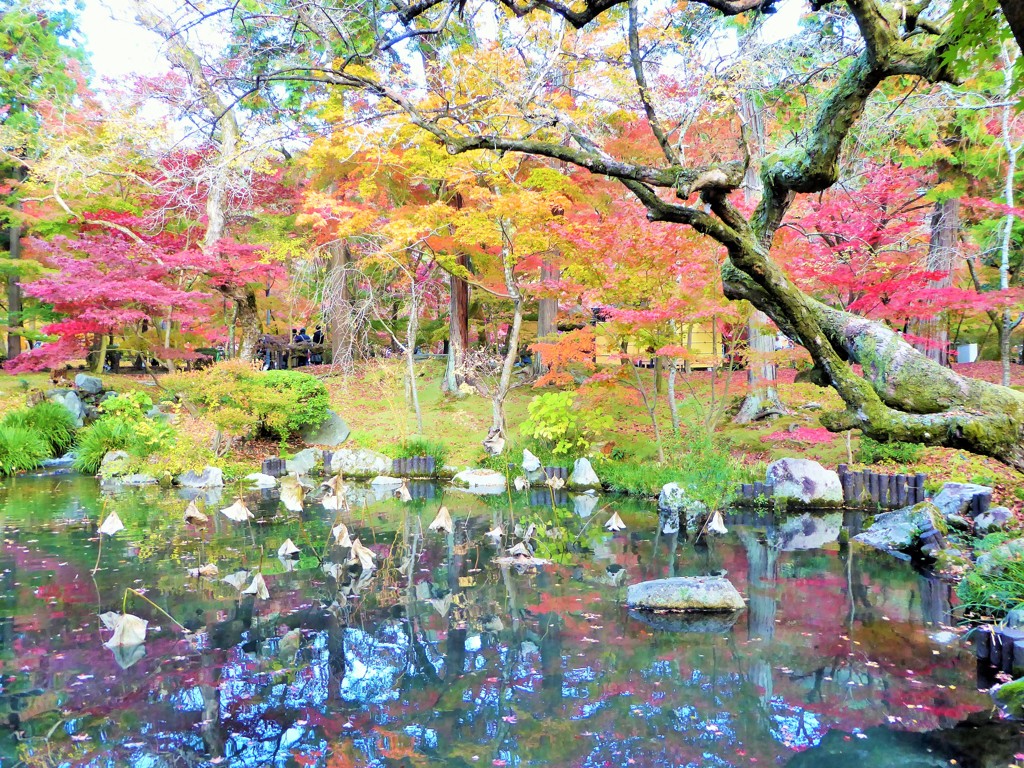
{"x": 243, "y": 401}
{"x": 21, "y": 449}
{"x": 51, "y": 421}
{"x": 874, "y": 452}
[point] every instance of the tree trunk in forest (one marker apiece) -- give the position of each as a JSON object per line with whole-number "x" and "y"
{"x": 547, "y": 314}
{"x": 14, "y": 306}
{"x": 248, "y": 318}
{"x": 410, "y": 357}
{"x": 336, "y": 307}
{"x": 511, "y": 352}
{"x": 1014, "y": 12}
{"x": 762, "y": 397}
{"x": 458, "y": 331}
{"x": 942, "y": 257}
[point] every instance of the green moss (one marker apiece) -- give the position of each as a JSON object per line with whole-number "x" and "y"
{"x": 1011, "y": 697}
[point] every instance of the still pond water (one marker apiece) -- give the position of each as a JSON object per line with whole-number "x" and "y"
{"x": 455, "y": 660}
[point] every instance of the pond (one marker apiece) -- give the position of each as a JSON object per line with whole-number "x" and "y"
{"x": 442, "y": 656}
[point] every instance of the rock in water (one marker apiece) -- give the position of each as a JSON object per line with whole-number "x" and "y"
{"x": 480, "y": 480}
{"x": 91, "y": 385}
{"x": 332, "y": 433}
{"x": 210, "y": 477}
{"x": 303, "y": 462}
{"x": 674, "y": 502}
{"x": 804, "y": 481}
{"x": 359, "y": 462}
{"x": 692, "y": 593}
{"x": 908, "y": 530}
{"x": 583, "y": 475}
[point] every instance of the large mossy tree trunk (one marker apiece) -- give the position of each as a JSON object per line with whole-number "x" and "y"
{"x": 458, "y": 331}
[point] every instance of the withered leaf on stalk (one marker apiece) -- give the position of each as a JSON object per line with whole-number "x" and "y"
{"x": 237, "y": 511}
{"x": 194, "y": 515}
{"x": 111, "y": 525}
{"x": 292, "y": 493}
{"x": 443, "y": 521}
{"x": 258, "y": 588}
{"x": 615, "y": 523}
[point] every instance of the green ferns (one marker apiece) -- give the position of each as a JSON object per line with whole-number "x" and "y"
{"x": 21, "y": 449}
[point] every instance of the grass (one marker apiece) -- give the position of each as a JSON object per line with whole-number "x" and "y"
{"x": 21, "y": 449}
{"x": 52, "y": 421}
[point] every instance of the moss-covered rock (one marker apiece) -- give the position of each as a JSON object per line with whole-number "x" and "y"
{"x": 907, "y": 530}
{"x": 1010, "y": 696}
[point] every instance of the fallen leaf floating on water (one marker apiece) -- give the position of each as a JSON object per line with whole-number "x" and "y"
{"x": 292, "y": 493}
{"x": 716, "y": 524}
{"x": 258, "y": 588}
{"x": 207, "y": 571}
{"x": 362, "y": 555}
{"x": 555, "y": 483}
{"x": 288, "y": 549}
{"x": 237, "y": 511}
{"x": 402, "y": 493}
{"x": 443, "y": 521}
{"x": 521, "y": 483}
{"x": 112, "y": 524}
{"x": 332, "y": 502}
{"x": 340, "y": 532}
{"x": 237, "y": 579}
{"x": 495, "y": 534}
{"x": 335, "y": 485}
{"x": 193, "y": 515}
{"x": 615, "y": 523}
{"x": 129, "y": 630}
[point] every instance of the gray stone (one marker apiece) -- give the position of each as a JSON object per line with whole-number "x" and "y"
{"x": 359, "y": 462}
{"x": 91, "y": 385}
{"x": 955, "y": 498}
{"x": 530, "y": 462}
{"x": 386, "y": 481}
{"x": 259, "y": 480}
{"x": 693, "y": 593}
{"x": 304, "y": 461}
{"x": 690, "y": 622}
{"x": 71, "y": 401}
{"x": 210, "y": 477}
{"x": 160, "y": 412}
{"x": 673, "y": 503}
{"x": 332, "y": 433}
{"x": 994, "y": 520}
{"x": 901, "y": 530}
{"x": 808, "y": 531}
{"x": 114, "y": 464}
{"x": 804, "y": 481}
{"x": 480, "y": 480}
{"x": 583, "y": 475}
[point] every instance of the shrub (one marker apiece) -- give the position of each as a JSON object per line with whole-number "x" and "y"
{"x": 636, "y": 478}
{"x": 21, "y": 449}
{"x": 51, "y": 421}
{"x": 996, "y": 585}
{"x": 567, "y": 431}
{"x": 122, "y": 427}
{"x": 708, "y": 471}
{"x": 874, "y": 452}
{"x": 243, "y": 401}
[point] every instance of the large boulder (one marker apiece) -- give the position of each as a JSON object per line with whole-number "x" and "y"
{"x": 995, "y": 519}
{"x": 910, "y": 531}
{"x": 72, "y": 402}
{"x": 955, "y": 498}
{"x": 210, "y": 477}
{"x": 359, "y": 462}
{"x": 482, "y": 481}
{"x": 90, "y": 385}
{"x": 304, "y": 461}
{"x": 673, "y": 504}
{"x": 332, "y": 433}
{"x": 583, "y": 475}
{"x": 804, "y": 481}
{"x": 689, "y": 593}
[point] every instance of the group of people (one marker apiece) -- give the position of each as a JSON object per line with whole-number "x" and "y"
{"x": 300, "y": 336}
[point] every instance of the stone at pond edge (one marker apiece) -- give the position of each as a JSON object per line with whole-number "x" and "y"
{"x": 673, "y": 501}
{"x": 71, "y": 401}
{"x": 955, "y": 498}
{"x": 691, "y": 593}
{"x": 480, "y": 480}
{"x": 91, "y": 385}
{"x": 804, "y": 481}
{"x": 902, "y": 529}
{"x": 530, "y": 462}
{"x": 1010, "y": 696}
{"x": 583, "y": 475}
{"x": 260, "y": 480}
{"x": 210, "y": 477}
{"x": 332, "y": 433}
{"x": 807, "y": 531}
{"x": 584, "y": 504}
{"x": 114, "y": 463}
{"x": 304, "y": 461}
{"x": 691, "y": 622}
{"x": 995, "y": 519}
{"x": 359, "y": 462}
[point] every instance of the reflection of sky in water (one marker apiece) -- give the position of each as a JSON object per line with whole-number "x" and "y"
{"x": 564, "y": 678}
